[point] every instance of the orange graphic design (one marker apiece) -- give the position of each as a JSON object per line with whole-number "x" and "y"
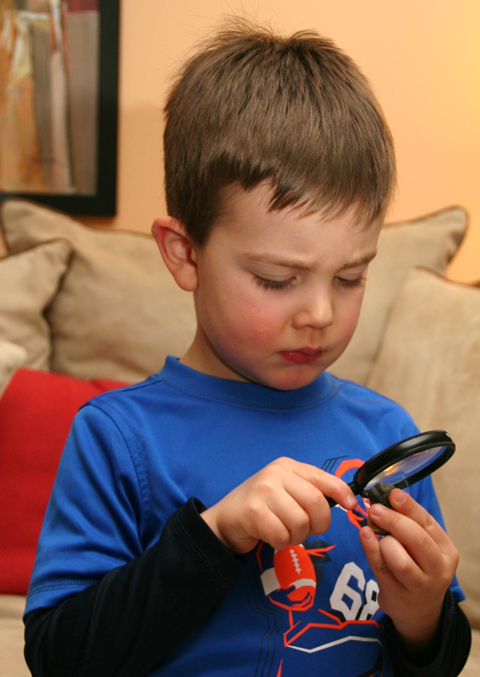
{"x": 358, "y": 516}
{"x": 293, "y": 568}
{"x": 323, "y": 616}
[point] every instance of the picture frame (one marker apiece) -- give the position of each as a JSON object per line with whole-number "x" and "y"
{"x": 66, "y": 152}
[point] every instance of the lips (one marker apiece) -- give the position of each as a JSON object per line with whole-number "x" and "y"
{"x": 303, "y": 356}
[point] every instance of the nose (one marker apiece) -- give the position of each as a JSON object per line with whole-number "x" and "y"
{"x": 315, "y": 310}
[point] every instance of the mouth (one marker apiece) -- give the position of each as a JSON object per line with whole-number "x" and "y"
{"x": 303, "y": 356}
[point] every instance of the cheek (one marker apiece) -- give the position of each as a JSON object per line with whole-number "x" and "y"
{"x": 255, "y": 324}
{"x": 251, "y": 320}
{"x": 350, "y": 315}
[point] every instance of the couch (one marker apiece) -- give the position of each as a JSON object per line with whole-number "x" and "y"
{"x": 83, "y": 310}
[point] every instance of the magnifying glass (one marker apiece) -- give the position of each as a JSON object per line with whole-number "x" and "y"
{"x": 403, "y": 463}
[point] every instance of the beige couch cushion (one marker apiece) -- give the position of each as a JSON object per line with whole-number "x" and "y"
{"x": 12, "y": 356}
{"x": 117, "y": 286}
{"x": 429, "y": 362}
{"x": 430, "y": 241}
{"x": 12, "y": 662}
{"x": 472, "y": 667}
{"x": 28, "y": 282}
{"x": 119, "y": 312}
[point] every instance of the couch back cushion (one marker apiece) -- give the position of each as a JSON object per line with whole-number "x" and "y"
{"x": 29, "y": 281}
{"x": 12, "y": 356}
{"x": 119, "y": 313}
{"x": 431, "y": 242}
{"x": 429, "y": 362}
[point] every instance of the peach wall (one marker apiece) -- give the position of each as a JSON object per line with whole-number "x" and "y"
{"x": 423, "y": 58}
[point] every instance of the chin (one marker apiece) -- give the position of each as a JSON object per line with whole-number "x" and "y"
{"x": 290, "y": 380}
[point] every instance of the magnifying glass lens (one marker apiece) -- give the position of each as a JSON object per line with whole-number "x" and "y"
{"x": 400, "y": 471}
{"x": 404, "y": 463}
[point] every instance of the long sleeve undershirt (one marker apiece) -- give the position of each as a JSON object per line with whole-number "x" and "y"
{"x": 127, "y": 623}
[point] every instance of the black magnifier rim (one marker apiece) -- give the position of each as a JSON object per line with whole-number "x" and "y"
{"x": 402, "y": 450}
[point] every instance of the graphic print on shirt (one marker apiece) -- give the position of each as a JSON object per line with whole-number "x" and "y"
{"x": 319, "y": 601}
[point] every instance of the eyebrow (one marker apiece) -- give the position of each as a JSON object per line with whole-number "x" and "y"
{"x": 293, "y": 263}
{"x": 362, "y": 261}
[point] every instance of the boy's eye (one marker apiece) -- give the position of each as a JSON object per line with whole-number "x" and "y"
{"x": 352, "y": 284}
{"x": 274, "y": 284}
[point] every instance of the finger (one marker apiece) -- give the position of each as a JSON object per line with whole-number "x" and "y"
{"x": 288, "y": 508}
{"x": 257, "y": 523}
{"x": 416, "y": 561}
{"x": 414, "y": 539}
{"x": 373, "y": 553}
{"x": 287, "y": 494}
{"x": 272, "y": 530}
{"x": 404, "y": 504}
{"x": 413, "y": 526}
{"x": 313, "y": 504}
{"x": 329, "y": 485}
{"x": 391, "y": 564}
{"x": 413, "y": 552}
{"x": 401, "y": 564}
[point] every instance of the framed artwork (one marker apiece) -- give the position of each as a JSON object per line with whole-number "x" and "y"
{"x": 59, "y": 103}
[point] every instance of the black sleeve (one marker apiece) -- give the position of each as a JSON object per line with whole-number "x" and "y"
{"x": 125, "y": 624}
{"x": 451, "y": 651}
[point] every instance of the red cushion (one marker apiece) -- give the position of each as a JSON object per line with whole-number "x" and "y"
{"x": 36, "y": 412}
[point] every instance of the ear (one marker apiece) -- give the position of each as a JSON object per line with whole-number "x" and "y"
{"x": 177, "y": 250}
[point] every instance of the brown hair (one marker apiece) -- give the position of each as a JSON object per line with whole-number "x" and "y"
{"x": 251, "y": 106}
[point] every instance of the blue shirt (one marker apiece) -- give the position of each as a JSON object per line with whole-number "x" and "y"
{"x": 135, "y": 455}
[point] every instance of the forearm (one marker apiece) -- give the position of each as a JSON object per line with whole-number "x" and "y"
{"x": 126, "y": 623}
{"x": 445, "y": 657}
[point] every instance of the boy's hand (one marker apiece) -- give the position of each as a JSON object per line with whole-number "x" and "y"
{"x": 280, "y": 505}
{"x": 414, "y": 567}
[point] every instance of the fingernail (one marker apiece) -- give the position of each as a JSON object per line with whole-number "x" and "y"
{"x": 399, "y": 497}
{"x": 367, "y": 533}
{"x": 377, "y": 509}
{"x": 351, "y": 502}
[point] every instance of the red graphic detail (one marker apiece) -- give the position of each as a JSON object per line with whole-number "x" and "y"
{"x": 344, "y": 466}
{"x": 359, "y": 515}
{"x": 294, "y": 570}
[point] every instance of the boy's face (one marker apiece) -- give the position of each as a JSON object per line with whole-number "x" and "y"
{"x": 278, "y": 293}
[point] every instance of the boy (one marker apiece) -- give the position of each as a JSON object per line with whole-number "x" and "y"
{"x": 279, "y": 169}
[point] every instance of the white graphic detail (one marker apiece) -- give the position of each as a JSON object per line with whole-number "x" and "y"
{"x": 304, "y": 582}
{"x": 344, "y": 591}
{"x": 350, "y": 638}
{"x": 371, "y": 596}
{"x": 269, "y": 581}
{"x": 296, "y": 563}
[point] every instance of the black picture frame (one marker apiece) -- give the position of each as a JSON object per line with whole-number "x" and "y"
{"x": 104, "y": 201}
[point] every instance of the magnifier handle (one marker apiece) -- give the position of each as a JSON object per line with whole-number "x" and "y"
{"x": 353, "y": 486}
